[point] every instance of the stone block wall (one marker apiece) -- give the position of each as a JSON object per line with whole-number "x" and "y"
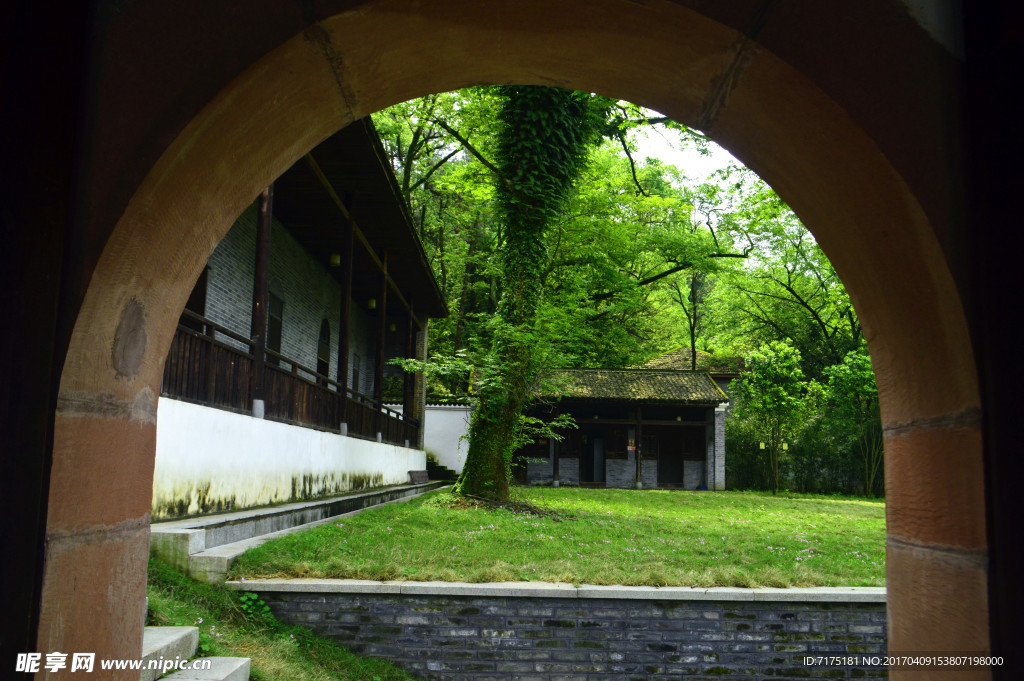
{"x": 716, "y": 477}
{"x": 539, "y": 472}
{"x": 693, "y": 474}
{"x": 544, "y": 632}
{"x": 568, "y": 471}
{"x": 648, "y": 473}
{"x": 620, "y": 473}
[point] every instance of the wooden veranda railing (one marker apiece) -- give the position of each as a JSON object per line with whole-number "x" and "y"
{"x": 211, "y": 365}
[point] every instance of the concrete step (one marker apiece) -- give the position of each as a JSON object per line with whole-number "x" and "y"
{"x": 166, "y": 643}
{"x": 439, "y": 472}
{"x": 204, "y": 548}
{"x": 221, "y": 669}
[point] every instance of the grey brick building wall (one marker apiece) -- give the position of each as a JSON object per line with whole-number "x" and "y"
{"x": 581, "y": 635}
{"x": 709, "y": 453}
{"x": 693, "y": 474}
{"x": 309, "y": 293}
{"x": 620, "y": 472}
{"x": 648, "y": 473}
{"x": 717, "y": 478}
{"x": 539, "y": 472}
{"x": 568, "y": 471}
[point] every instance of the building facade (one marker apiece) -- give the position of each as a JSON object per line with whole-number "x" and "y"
{"x": 636, "y": 428}
{"x": 275, "y": 384}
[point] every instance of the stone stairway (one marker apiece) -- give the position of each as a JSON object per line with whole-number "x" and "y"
{"x": 204, "y": 548}
{"x": 173, "y": 644}
{"x": 436, "y": 471}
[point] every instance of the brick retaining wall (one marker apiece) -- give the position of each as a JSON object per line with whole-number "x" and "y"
{"x": 549, "y": 632}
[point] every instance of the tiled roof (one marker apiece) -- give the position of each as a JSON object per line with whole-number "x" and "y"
{"x": 680, "y": 360}
{"x": 644, "y": 385}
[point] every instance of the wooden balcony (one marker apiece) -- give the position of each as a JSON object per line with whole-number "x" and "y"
{"x": 211, "y": 365}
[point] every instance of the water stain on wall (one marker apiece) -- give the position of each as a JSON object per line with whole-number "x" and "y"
{"x": 198, "y": 498}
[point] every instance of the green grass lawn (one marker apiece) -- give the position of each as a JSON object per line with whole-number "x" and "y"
{"x": 230, "y": 626}
{"x": 596, "y": 536}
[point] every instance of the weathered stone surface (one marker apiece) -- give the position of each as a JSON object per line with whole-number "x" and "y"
{"x": 551, "y": 631}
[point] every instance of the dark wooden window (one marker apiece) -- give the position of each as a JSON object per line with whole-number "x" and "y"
{"x": 323, "y": 349}
{"x": 615, "y": 443}
{"x": 275, "y": 323}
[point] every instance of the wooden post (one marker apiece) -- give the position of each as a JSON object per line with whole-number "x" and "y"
{"x": 345, "y": 319}
{"x": 260, "y": 298}
{"x": 639, "y": 447}
{"x": 553, "y": 447}
{"x": 419, "y": 383}
{"x": 206, "y": 348}
{"x": 382, "y": 327}
{"x": 408, "y": 407}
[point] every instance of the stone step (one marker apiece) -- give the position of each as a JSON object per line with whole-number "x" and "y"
{"x": 438, "y": 472}
{"x": 188, "y": 550}
{"x": 175, "y": 541}
{"x": 166, "y": 643}
{"x": 221, "y": 669}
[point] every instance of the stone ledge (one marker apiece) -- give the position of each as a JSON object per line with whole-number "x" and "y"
{"x": 160, "y": 643}
{"x": 221, "y": 669}
{"x": 823, "y": 594}
{"x": 186, "y": 545}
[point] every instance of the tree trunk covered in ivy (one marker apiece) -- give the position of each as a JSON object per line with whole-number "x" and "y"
{"x": 541, "y": 149}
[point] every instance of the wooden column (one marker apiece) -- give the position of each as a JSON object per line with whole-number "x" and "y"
{"x": 408, "y": 403}
{"x": 553, "y": 447}
{"x": 260, "y": 298}
{"x": 382, "y": 327}
{"x": 419, "y": 382}
{"x": 639, "y": 446}
{"x": 344, "y": 323}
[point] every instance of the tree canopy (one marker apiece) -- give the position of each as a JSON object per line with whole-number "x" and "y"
{"x": 633, "y": 259}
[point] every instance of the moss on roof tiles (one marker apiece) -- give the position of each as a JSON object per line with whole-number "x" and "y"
{"x": 680, "y": 360}
{"x": 644, "y": 385}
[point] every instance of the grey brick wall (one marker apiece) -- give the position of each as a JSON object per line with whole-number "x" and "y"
{"x": 547, "y": 639}
{"x": 568, "y": 471}
{"x": 538, "y": 473}
{"x": 310, "y": 295}
{"x": 719, "y": 467}
{"x": 693, "y": 474}
{"x": 621, "y": 473}
{"x": 648, "y": 473}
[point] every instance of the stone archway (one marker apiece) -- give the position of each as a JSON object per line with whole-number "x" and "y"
{"x": 879, "y": 211}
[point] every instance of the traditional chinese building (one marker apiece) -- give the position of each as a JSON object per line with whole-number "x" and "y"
{"x": 275, "y": 384}
{"x": 643, "y": 428}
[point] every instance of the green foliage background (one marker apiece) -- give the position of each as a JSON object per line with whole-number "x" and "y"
{"x": 636, "y": 260}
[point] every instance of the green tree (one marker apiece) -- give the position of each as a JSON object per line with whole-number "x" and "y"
{"x": 637, "y": 260}
{"x": 789, "y": 290}
{"x": 852, "y": 401}
{"x": 628, "y": 229}
{"x": 542, "y": 146}
{"x": 771, "y": 397}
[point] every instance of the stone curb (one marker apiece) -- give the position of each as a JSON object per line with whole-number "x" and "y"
{"x": 822, "y": 594}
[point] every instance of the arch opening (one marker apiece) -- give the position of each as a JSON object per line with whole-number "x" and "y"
{"x": 879, "y": 233}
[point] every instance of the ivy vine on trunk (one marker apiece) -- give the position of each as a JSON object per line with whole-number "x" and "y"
{"x": 542, "y": 147}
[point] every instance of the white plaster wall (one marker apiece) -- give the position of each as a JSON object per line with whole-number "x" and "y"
{"x": 443, "y": 428}
{"x": 209, "y": 459}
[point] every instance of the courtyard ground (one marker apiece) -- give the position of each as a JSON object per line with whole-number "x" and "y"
{"x": 596, "y": 536}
